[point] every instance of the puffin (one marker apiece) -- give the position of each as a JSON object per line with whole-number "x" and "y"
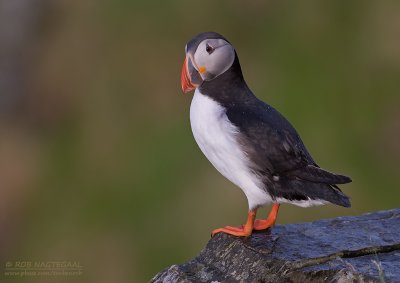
{"x": 248, "y": 141}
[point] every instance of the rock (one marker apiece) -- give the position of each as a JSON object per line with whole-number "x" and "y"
{"x": 362, "y": 248}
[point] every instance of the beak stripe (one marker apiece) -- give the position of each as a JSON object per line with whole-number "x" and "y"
{"x": 185, "y": 79}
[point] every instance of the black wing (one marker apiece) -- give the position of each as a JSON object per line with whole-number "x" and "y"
{"x": 279, "y": 156}
{"x": 268, "y": 138}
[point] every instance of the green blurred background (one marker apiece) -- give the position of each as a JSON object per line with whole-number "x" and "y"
{"x": 98, "y": 163}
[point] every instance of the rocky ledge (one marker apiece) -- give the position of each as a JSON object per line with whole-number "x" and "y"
{"x": 362, "y": 248}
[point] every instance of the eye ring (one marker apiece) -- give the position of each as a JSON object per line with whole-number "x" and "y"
{"x": 209, "y": 49}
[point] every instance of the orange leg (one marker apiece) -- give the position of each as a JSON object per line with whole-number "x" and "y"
{"x": 270, "y": 221}
{"x": 242, "y": 231}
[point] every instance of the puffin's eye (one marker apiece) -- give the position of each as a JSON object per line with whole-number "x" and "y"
{"x": 209, "y": 49}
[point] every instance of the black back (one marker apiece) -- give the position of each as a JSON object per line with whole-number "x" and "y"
{"x": 277, "y": 154}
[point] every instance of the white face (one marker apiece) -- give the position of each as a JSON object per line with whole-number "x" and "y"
{"x": 213, "y": 57}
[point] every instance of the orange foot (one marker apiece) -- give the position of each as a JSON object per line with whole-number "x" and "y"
{"x": 269, "y": 222}
{"x": 243, "y": 231}
{"x": 251, "y": 224}
{"x": 235, "y": 231}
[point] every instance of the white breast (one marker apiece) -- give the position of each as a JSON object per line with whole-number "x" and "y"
{"x": 216, "y": 137}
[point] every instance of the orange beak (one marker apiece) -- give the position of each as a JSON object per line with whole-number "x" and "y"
{"x": 185, "y": 79}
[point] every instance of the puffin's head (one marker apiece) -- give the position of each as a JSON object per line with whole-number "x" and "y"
{"x": 208, "y": 55}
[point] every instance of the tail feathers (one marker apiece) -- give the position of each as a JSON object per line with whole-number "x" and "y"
{"x": 315, "y": 174}
{"x": 343, "y": 200}
{"x": 297, "y": 190}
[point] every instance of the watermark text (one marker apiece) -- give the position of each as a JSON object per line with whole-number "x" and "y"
{"x": 25, "y": 268}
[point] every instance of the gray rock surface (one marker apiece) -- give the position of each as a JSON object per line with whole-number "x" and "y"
{"x": 362, "y": 248}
